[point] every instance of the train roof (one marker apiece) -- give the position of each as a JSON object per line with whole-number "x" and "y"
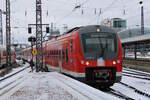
{"x": 85, "y": 29}
{"x": 93, "y": 28}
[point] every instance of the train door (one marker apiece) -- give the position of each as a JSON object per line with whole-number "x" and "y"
{"x": 60, "y": 58}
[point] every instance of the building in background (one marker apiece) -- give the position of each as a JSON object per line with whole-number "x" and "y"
{"x": 53, "y": 31}
{"x": 132, "y": 39}
{"x": 117, "y": 23}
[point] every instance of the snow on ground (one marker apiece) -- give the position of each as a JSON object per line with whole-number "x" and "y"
{"x": 9, "y": 83}
{"x": 128, "y": 92}
{"x": 140, "y": 84}
{"x": 134, "y": 71}
{"x": 54, "y": 86}
{"x": 14, "y": 70}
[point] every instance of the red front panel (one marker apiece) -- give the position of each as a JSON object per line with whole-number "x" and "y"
{"x": 81, "y": 63}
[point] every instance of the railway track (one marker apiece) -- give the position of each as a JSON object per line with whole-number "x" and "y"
{"x": 119, "y": 94}
{"x": 107, "y": 90}
{"x": 136, "y": 74}
{"x": 137, "y": 65}
{"x": 113, "y": 92}
{"x": 11, "y": 82}
{"x": 13, "y": 74}
{"x": 136, "y": 90}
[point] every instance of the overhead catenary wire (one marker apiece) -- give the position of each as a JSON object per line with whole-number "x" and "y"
{"x": 103, "y": 10}
{"x": 128, "y": 9}
{"x": 74, "y": 9}
{"x": 125, "y": 12}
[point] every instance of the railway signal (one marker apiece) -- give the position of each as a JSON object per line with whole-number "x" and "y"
{"x": 32, "y": 39}
{"x": 39, "y": 35}
{"x": 29, "y": 30}
{"x": 47, "y": 29}
{"x": 34, "y": 52}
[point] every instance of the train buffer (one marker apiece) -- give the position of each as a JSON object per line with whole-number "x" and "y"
{"x": 54, "y": 86}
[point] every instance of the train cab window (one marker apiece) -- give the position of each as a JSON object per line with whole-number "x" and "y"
{"x": 71, "y": 47}
{"x": 67, "y": 55}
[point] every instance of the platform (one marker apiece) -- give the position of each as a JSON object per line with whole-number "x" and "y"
{"x": 54, "y": 86}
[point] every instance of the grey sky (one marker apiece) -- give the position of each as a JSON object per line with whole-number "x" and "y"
{"x": 61, "y": 12}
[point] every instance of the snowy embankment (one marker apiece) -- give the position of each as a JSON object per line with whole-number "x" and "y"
{"x": 7, "y": 82}
{"x": 14, "y": 70}
{"x": 54, "y": 86}
{"x": 140, "y": 84}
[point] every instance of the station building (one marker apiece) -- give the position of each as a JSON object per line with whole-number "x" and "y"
{"x": 116, "y": 23}
{"x": 134, "y": 43}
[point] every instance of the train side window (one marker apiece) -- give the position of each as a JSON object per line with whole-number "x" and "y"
{"x": 67, "y": 55}
{"x": 63, "y": 55}
{"x": 71, "y": 46}
{"x": 50, "y": 52}
{"x": 47, "y": 53}
{"x": 59, "y": 54}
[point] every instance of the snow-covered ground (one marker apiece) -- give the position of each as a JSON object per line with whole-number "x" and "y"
{"x": 141, "y": 57}
{"x": 12, "y": 82}
{"x": 14, "y": 70}
{"x": 140, "y": 84}
{"x": 134, "y": 71}
{"x": 54, "y": 86}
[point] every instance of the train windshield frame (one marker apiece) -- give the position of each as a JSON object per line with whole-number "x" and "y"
{"x": 96, "y": 45}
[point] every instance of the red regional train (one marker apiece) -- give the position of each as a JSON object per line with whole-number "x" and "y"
{"x": 3, "y": 56}
{"x": 92, "y": 53}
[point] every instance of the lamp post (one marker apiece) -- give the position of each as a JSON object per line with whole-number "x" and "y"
{"x": 142, "y": 18}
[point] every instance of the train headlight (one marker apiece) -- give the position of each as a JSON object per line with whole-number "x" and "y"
{"x": 98, "y": 30}
{"x": 114, "y": 62}
{"x": 87, "y": 63}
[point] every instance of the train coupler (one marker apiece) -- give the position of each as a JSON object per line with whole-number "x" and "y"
{"x": 100, "y": 74}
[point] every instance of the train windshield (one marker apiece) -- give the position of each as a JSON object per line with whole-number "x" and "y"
{"x": 96, "y": 45}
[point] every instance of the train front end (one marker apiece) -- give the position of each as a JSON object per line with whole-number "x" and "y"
{"x": 102, "y": 55}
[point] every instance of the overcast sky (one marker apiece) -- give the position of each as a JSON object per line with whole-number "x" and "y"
{"x": 62, "y": 12}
